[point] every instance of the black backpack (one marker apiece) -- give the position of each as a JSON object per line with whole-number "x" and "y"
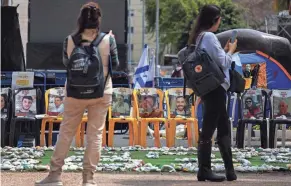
{"x": 201, "y": 73}
{"x": 85, "y": 77}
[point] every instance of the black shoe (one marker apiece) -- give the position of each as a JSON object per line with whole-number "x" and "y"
{"x": 224, "y": 145}
{"x": 231, "y": 176}
{"x": 204, "y": 160}
{"x": 208, "y": 175}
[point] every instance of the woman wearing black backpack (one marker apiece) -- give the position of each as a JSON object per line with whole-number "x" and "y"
{"x": 215, "y": 115}
{"x": 84, "y": 52}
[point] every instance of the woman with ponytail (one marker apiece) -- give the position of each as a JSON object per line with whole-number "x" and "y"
{"x": 88, "y": 30}
{"x": 215, "y": 115}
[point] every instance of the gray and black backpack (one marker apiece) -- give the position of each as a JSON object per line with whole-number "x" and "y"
{"x": 85, "y": 76}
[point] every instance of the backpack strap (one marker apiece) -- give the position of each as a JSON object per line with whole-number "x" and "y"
{"x": 98, "y": 39}
{"x": 199, "y": 40}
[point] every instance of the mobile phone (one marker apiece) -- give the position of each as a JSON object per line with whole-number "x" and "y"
{"x": 233, "y": 36}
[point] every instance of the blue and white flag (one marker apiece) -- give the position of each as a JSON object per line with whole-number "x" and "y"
{"x": 144, "y": 74}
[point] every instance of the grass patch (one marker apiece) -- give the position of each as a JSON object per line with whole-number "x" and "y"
{"x": 162, "y": 160}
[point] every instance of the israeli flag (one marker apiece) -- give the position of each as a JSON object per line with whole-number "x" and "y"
{"x": 144, "y": 74}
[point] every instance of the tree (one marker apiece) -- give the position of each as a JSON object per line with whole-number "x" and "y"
{"x": 177, "y": 16}
{"x": 279, "y": 5}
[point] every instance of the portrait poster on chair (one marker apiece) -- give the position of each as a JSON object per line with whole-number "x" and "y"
{"x": 180, "y": 106}
{"x": 121, "y": 102}
{"x": 282, "y": 104}
{"x": 4, "y": 102}
{"x": 253, "y": 104}
{"x": 56, "y": 101}
{"x": 25, "y": 103}
{"x": 148, "y": 102}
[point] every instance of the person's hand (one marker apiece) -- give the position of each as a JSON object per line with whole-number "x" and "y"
{"x": 232, "y": 46}
{"x": 111, "y": 34}
{"x": 226, "y": 47}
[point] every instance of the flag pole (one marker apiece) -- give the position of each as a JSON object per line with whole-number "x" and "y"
{"x": 157, "y": 37}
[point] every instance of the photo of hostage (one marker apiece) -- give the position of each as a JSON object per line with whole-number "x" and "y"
{"x": 120, "y": 107}
{"x": 251, "y": 109}
{"x": 26, "y": 104}
{"x": 58, "y": 105}
{"x": 149, "y": 107}
{"x": 283, "y": 110}
{"x": 181, "y": 108}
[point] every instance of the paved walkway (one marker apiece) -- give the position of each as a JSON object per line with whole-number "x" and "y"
{"x": 179, "y": 179}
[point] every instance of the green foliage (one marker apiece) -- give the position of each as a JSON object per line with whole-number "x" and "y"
{"x": 176, "y": 16}
{"x": 280, "y": 5}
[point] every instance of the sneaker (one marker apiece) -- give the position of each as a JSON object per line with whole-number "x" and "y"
{"x": 88, "y": 179}
{"x": 89, "y": 184}
{"x": 53, "y": 179}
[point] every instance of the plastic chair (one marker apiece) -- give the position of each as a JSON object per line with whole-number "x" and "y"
{"x": 176, "y": 116}
{"x": 280, "y": 101}
{"x": 53, "y": 115}
{"x": 253, "y": 111}
{"x": 121, "y": 114}
{"x": 26, "y": 102}
{"x": 150, "y": 110}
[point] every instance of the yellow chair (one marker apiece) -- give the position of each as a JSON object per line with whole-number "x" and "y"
{"x": 53, "y": 96}
{"x": 150, "y": 110}
{"x": 120, "y": 113}
{"x": 179, "y": 113}
{"x": 53, "y": 115}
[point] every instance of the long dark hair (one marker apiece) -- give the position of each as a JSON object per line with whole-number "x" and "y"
{"x": 89, "y": 17}
{"x": 208, "y": 16}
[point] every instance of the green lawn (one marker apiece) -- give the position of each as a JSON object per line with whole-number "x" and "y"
{"x": 162, "y": 160}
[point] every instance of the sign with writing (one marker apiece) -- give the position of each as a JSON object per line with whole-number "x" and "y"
{"x": 22, "y": 80}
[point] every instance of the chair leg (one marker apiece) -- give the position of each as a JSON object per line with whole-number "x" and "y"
{"x": 3, "y": 133}
{"x": 37, "y": 132}
{"x": 231, "y": 131}
{"x": 135, "y": 133}
{"x": 272, "y": 134}
{"x": 240, "y": 134}
{"x": 157, "y": 134}
{"x": 12, "y": 133}
{"x": 82, "y": 134}
{"x": 283, "y": 136}
{"x": 189, "y": 134}
{"x": 167, "y": 126}
{"x": 276, "y": 135}
{"x": 50, "y": 134}
{"x": 42, "y": 132}
{"x": 131, "y": 133}
{"x": 78, "y": 135}
{"x": 173, "y": 133}
{"x": 263, "y": 134}
{"x": 143, "y": 133}
{"x": 249, "y": 140}
{"x": 111, "y": 133}
{"x": 196, "y": 133}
